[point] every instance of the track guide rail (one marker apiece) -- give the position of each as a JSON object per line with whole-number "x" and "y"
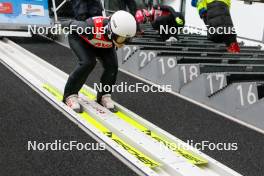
{"x": 142, "y": 146}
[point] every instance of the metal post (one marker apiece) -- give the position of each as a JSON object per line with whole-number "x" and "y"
{"x": 61, "y": 5}
{"x": 263, "y": 37}
{"x": 54, "y": 11}
{"x": 183, "y": 6}
{"x": 103, "y": 5}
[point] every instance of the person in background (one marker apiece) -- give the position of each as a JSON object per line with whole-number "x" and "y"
{"x": 161, "y": 15}
{"x": 130, "y": 4}
{"x": 101, "y": 37}
{"x": 216, "y": 14}
{"x": 151, "y": 3}
{"x": 166, "y": 15}
{"x": 148, "y": 3}
{"x": 142, "y": 16}
{"x": 84, "y": 9}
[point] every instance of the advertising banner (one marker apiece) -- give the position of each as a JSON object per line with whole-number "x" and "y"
{"x": 24, "y": 12}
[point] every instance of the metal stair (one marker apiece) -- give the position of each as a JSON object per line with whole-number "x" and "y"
{"x": 200, "y": 69}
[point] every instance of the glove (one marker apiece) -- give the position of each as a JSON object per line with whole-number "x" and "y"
{"x": 194, "y": 3}
{"x": 179, "y": 21}
{"x": 202, "y": 12}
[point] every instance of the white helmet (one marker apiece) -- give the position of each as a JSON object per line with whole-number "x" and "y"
{"x": 123, "y": 24}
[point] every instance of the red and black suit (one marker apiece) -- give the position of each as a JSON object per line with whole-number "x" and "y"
{"x": 164, "y": 15}
{"x": 88, "y": 46}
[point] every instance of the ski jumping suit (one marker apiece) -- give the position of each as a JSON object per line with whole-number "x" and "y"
{"x": 165, "y": 15}
{"x": 88, "y": 47}
{"x": 216, "y": 13}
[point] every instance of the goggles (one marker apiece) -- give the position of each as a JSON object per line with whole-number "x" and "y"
{"x": 120, "y": 40}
